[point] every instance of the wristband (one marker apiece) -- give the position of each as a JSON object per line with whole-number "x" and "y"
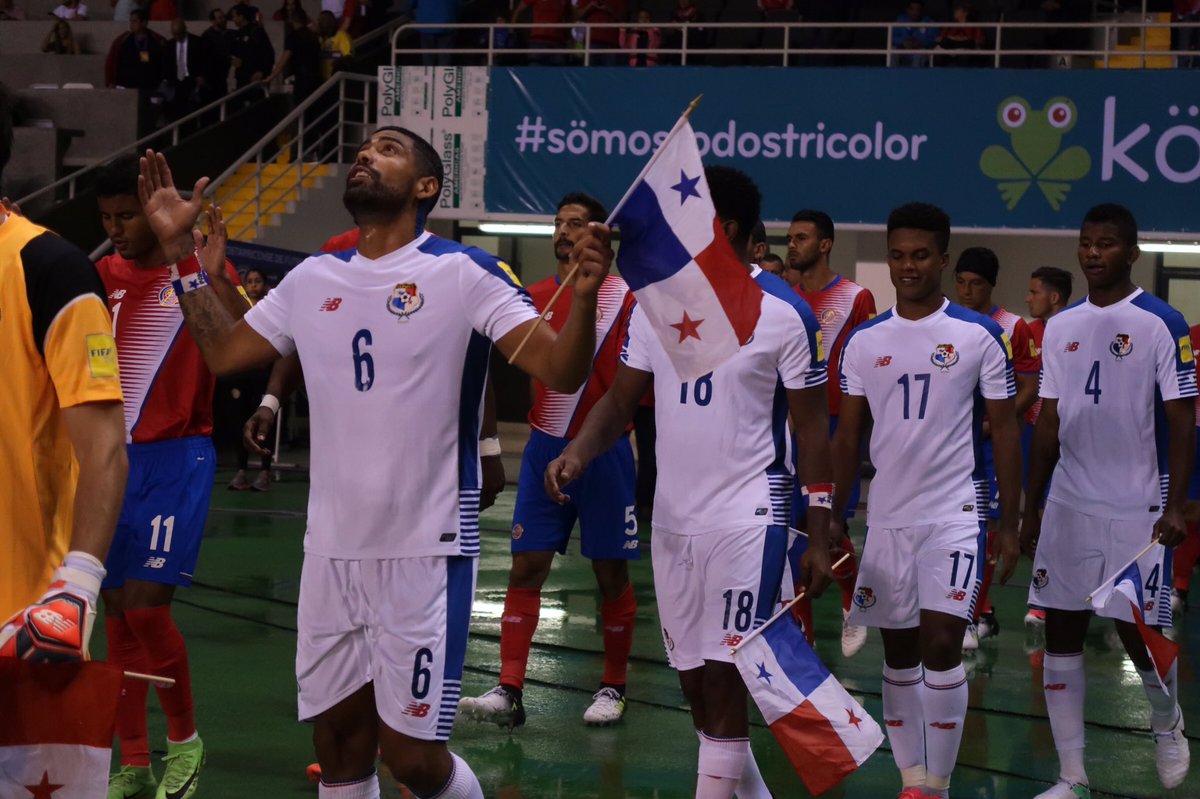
{"x": 270, "y": 402}
{"x": 820, "y": 495}
{"x": 82, "y": 572}
{"x": 489, "y": 447}
{"x": 188, "y": 275}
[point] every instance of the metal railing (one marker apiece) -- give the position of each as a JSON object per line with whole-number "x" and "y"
{"x": 220, "y": 107}
{"x": 796, "y": 39}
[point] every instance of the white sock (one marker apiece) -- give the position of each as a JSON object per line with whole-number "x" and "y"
{"x": 1065, "y": 685}
{"x": 1164, "y": 711}
{"x": 904, "y": 717}
{"x": 463, "y": 784}
{"x": 944, "y": 699}
{"x": 722, "y": 761}
{"x": 366, "y": 788}
{"x": 751, "y": 785}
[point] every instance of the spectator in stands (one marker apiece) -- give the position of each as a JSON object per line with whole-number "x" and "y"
{"x": 60, "y": 40}
{"x": 335, "y": 44}
{"x": 961, "y": 39}
{"x": 594, "y": 14}
{"x": 435, "y": 41}
{"x": 163, "y": 10}
{"x": 136, "y": 61}
{"x": 301, "y": 57}
{"x": 183, "y": 71}
{"x": 121, "y": 9}
{"x": 642, "y": 43}
{"x": 546, "y": 12}
{"x": 698, "y": 37}
{"x": 827, "y": 16}
{"x": 214, "y": 72}
{"x": 1188, "y": 39}
{"x": 71, "y": 9}
{"x": 252, "y": 53}
{"x": 915, "y": 32}
{"x": 350, "y": 14}
{"x": 284, "y": 12}
{"x": 9, "y": 12}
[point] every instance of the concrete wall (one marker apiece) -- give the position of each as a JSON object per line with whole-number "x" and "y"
{"x": 108, "y": 117}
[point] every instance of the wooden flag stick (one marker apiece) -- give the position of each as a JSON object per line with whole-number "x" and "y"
{"x": 154, "y": 679}
{"x": 575, "y": 267}
{"x": 786, "y": 607}
{"x": 1121, "y": 570}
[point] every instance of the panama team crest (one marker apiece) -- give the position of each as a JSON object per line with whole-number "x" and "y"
{"x": 1121, "y": 345}
{"x": 944, "y": 356}
{"x": 405, "y": 300}
{"x": 864, "y": 597}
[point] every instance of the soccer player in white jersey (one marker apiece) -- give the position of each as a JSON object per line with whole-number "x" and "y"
{"x": 394, "y": 343}
{"x": 721, "y": 506}
{"x": 925, "y": 371}
{"x": 1116, "y": 432}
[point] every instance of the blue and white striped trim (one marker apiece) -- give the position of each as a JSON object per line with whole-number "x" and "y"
{"x": 781, "y": 498}
{"x": 468, "y": 520}
{"x": 1164, "y": 484}
{"x": 451, "y": 692}
{"x": 983, "y": 499}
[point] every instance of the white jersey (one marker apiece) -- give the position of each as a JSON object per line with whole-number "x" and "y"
{"x": 723, "y": 449}
{"x": 925, "y": 382}
{"x": 395, "y": 356}
{"x": 1110, "y": 370}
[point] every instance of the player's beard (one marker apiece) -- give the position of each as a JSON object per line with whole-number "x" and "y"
{"x": 370, "y": 201}
{"x": 559, "y": 253}
{"x": 803, "y": 266}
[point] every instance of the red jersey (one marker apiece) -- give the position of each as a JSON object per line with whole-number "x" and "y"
{"x": 1026, "y": 356}
{"x": 342, "y": 241}
{"x": 839, "y": 307}
{"x": 1037, "y": 329}
{"x": 562, "y": 414}
{"x": 548, "y": 12}
{"x": 168, "y": 389}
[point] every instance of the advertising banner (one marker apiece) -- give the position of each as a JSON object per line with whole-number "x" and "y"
{"x": 1021, "y": 149}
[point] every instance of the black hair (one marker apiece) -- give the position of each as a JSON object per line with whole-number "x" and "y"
{"x": 139, "y": 13}
{"x": 1118, "y": 216}
{"x": 1056, "y": 279}
{"x": 922, "y": 216}
{"x": 770, "y": 257}
{"x": 117, "y": 178}
{"x": 299, "y": 15}
{"x": 819, "y": 219}
{"x": 252, "y": 270}
{"x": 212, "y": 15}
{"x": 242, "y": 10}
{"x": 736, "y": 198}
{"x": 979, "y": 261}
{"x": 429, "y": 165}
{"x": 596, "y": 210}
{"x": 758, "y": 234}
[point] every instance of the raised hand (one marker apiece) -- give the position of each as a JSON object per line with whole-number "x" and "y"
{"x": 170, "y": 216}
{"x": 593, "y": 253}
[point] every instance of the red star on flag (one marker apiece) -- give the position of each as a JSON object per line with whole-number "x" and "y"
{"x": 44, "y": 789}
{"x": 688, "y": 328}
{"x": 855, "y": 720}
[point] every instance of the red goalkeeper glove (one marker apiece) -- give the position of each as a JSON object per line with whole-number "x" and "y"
{"x": 57, "y": 627}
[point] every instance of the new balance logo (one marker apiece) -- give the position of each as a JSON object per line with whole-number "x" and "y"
{"x": 944, "y": 725}
{"x": 331, "y": 304}
{"x": 883, "y": 360}
{"x": 1056, "y": 686}
{"x": 731, "y": 640}
{"x": 154, "y": 563}
{"x": 893, "y": 722}
{"x": 956, "y": 595}
{"x": 417, "y": 710}
{"x": 55, "y": 621}
{"x": 1072, "y": 346}
{"x": 117, "y": 294}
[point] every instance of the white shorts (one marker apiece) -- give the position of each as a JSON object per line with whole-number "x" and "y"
{"x": 400, "y": 623}
{"x": 906, "y": 570}
{"x": 712, "y": 589}
{"x": 1076, "y": 552}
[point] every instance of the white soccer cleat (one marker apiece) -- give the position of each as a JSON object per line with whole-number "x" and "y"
{"x": 854, "y": 637}
{"x": 971, "y": 639}
{"x": 1171, "y": 755}
{"x": 607, "y": 708}
{"x": 1066, "y": 790}
{"x": 1035, "y": 617}
{"x": 497, "y": 706}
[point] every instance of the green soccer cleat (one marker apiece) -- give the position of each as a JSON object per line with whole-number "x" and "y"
{"x": 183, "y": 770}
{"x": 132, "y": 782}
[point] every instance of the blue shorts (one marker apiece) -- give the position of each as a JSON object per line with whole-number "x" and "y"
{"x": 989, "y": 467}
{"x": 166, "y": 504}
{"x": 602, "y": 500}
{"x": 800, "y": 503}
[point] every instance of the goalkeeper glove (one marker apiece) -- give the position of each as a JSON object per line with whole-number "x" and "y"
{"x": 58, "y": 626}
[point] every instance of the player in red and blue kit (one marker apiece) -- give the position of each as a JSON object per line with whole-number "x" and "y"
{"x": 974, "y": 278}
{"x": 840, "y": 305}
{"x": 602, "y": 500}
{"x": 168, "y": 423}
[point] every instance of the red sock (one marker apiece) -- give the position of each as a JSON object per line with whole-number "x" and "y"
{"x": 802, "y": 610}
{"x": 166, "y": 655}
{"x": 1185, "y": 557}
{"x": 125, "y": 651}
{"x": 983, "y": 604}
{"x": 517, "y": 625}
{"x": 847, "y": 575}
{"x": 618, "y": 617}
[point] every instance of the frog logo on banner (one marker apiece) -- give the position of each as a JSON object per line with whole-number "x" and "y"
{"x": 1035, "y": 154}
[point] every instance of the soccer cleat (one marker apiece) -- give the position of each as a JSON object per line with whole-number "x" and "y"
{"x": 971, "y": 639}
{"x": 132, "y": 782}
{"x": 313, "y": 772}
{"x": 1171, "y": 755}
{"x": 183, "y": 770}
{"x": 854, "y": 637}
{"x": 1066, "y": 790}
{"x": 262, "y": 483}
{"x": 987, "y": 626}
{"x": 501, "y": 706}
{"x": 1036, "y": 617}
{"x": 607, "y": 708}
{"x": 914, "y": 793}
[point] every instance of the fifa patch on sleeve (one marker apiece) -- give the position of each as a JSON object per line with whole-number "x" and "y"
{"x": 511, "y": 274}
{"x": 820, "y": 347}
{"x": 1007, "y": 345}
{"x": 102, "y": 355}
{"x": 1185, "y": 349}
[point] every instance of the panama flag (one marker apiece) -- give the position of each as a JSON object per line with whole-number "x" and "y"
{"x": 695, "y": 291}
{"x": 824, "y": 732}
{"x": 1122, "y": 599}
{"x": 56, "y": 728}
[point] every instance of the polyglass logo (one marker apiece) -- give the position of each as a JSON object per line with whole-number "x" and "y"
{"x": 1035, "y": 155}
